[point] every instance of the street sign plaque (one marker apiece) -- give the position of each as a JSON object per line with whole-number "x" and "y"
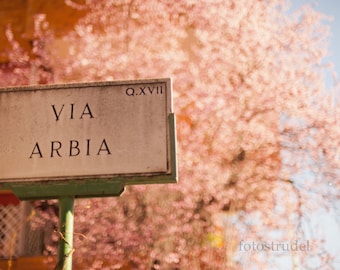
{"x": 81, "y": 138}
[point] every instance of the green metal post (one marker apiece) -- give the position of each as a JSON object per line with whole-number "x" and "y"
{"x": 65, "y": 250}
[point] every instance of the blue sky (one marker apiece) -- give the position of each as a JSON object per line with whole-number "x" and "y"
{"x": 330, "y": 8}
{"x": 326, "y": 222}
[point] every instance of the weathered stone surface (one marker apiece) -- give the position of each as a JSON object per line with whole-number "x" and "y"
{"x": 85, "y": 130}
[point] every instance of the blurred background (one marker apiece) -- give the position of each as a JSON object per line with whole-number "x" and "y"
{"x": 256, "y": 98}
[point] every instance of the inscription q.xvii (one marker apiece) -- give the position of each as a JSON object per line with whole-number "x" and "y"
{"x": 143, "y": 91}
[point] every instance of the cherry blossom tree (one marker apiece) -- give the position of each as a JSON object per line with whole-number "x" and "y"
{"x": 258, "y": 134}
